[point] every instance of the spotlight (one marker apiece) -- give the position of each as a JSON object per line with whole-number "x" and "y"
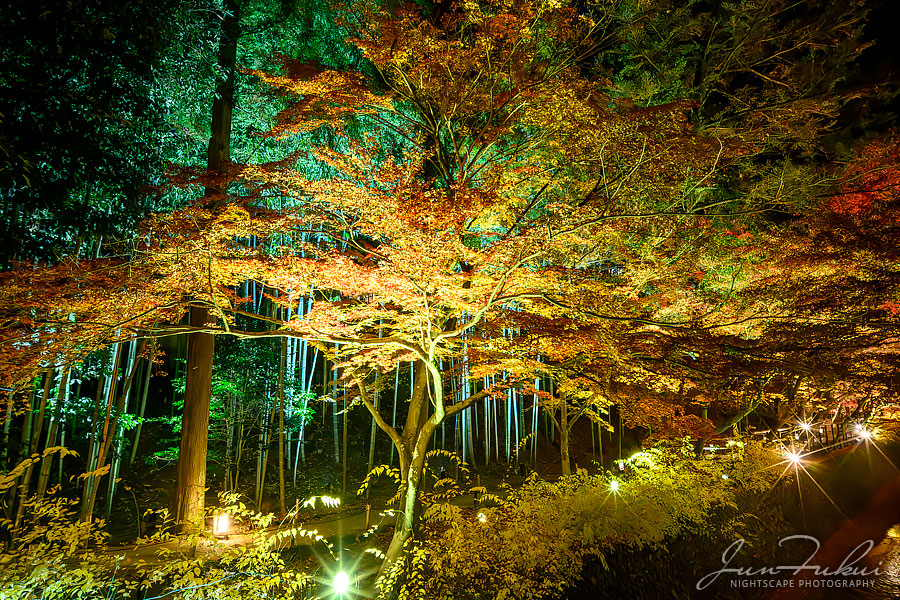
{"x": 614, "y": 485}
{"x": 341, "y": 584}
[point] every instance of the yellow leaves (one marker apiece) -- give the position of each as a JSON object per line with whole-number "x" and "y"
{"x": 233, "y": 212}
{"x": 441, "y": 513}
{"x": 7, "y": 480}
{"x": 327, "y": 98}
{"x": 537, "y": 542}
{"x": 392, "y": 473}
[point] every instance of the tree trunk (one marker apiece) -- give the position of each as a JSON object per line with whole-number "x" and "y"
{"x": 35, "y": 435}
{"x": 229, "y": 441}
{"x": 265, "y": 441}
{"x": 371, "y": 463}
{"x": 190, "y": 483}
{"x": 412, "y": 446}
{"x": 100, "y": 444}
{"x": 7, "y": 422}
{"x": 115, "y": 460}
{"x": 344, "y": 454}
{"x": 411, "y": 469}
{"x": 564, "y": 430}
{"x": 394, "y": 411}
{"x": 92, "y": 435}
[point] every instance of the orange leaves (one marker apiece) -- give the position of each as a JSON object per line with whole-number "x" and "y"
{"x": 325, "y": 98}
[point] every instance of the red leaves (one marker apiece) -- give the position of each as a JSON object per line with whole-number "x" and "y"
{"x": 891, "y": 306}
{"x": 870, "y": 182}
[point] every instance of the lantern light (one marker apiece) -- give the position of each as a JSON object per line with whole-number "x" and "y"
{"x": 220, "y": 524}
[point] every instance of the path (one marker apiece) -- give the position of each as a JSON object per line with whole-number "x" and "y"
{"x": 331, "y": 529}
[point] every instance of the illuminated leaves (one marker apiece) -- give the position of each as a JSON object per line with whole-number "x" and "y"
{"x": 535, "y": 545}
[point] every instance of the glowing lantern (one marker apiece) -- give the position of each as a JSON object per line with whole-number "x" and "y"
{"x": 220, "y": 524}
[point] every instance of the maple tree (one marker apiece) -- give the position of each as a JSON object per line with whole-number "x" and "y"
{"x": 473, "y": 220}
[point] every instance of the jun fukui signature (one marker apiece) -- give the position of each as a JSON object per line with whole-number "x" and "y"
{"x": 847, "y": 568}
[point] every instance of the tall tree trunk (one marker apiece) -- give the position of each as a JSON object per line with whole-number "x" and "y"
{"x": 93, "y": 442}
{"x": 564, "y": 430}
{"x": 371, "y": 463}
{"x": 412, "y": 447}
{"x": 487, "y": 433}
{"x": 119, "y": 430}
{"x": 239, "y": 453}
{"x": 394, "y": 410}
{"x": 190, "y": 484}
{"x": 101, "y": 444}
{"x": 599, "y": 442}
{"x": 467, "y": 418}
{"x": 334, "y": 423}
{"x": 7, "y": 423}
{"x": 229, "y": 441}
{"x": 265, "y": 441}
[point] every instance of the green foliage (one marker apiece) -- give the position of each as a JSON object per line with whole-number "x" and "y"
{"x": 252, "y": 569}
{"x": 80, "y": 123}
{"x": 641, "y": 574}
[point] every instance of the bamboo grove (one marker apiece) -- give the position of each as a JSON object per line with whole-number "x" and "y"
{"x": 496, "y": 226}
